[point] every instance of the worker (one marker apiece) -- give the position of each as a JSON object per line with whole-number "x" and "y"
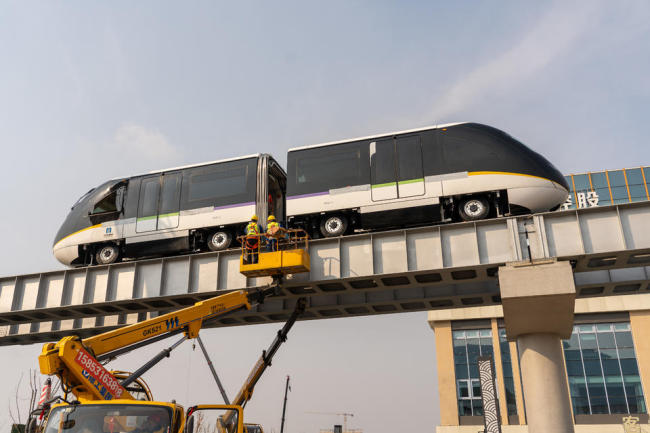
{"x": 252, "y": 240}
{"x": 273, "y": 232}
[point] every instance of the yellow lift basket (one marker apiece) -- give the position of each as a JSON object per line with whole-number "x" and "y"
{"x": 284, "y": 252}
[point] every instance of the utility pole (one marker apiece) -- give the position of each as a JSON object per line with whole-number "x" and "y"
{"x": 284, "y": 406}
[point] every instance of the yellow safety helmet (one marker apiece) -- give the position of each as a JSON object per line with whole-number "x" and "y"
{"x": 271, "y": 218}
{"x": 254, "y": 218}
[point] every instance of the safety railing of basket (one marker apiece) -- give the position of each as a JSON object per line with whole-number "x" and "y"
{"x": 286, "y": 239}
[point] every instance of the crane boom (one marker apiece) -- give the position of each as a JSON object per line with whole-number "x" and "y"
{"x": 264, "y": 361}
{"x": 76, "y": 362}
{"x": 246, "y": 391}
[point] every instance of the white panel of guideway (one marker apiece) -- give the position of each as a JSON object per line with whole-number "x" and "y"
{"x": 53, "y": 295}
{"x": 206, "y": 270}
{"x": 73, "y": 293}
{"x": 355, "y": 257}
{"x": 389, "y": 253}
{"x": 598, "y": 230}
{"x": 27, "y": 296}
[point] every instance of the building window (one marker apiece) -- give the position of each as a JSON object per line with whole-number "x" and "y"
{"x": 635, "y": 184}
{"x": 602, "y": 370}
{"x": 599, "y": 182}
{"x": 646, "y": 175}
{"x": 617, "y": 184}
{"x": 468, "y": 346}
{"x": 508, "y": 378}
{"x": 571, "y": 199}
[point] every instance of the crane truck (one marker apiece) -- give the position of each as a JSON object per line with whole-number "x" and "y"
{"x": 96, "y": 400}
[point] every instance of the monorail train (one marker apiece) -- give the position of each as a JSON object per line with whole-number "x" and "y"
{"x": 453, "y": 172}
{"x": 176, "y": 210}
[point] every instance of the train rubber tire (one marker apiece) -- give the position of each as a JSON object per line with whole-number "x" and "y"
{"x": 474, "y": 208}
{"x": 333, "y": 225}
{"x": 107, "y": 254}
{"x": 219, "y": 240}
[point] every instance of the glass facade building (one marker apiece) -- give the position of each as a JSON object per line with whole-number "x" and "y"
{"x": 602, "y": 370}
{"x": 604, "y": 188}
{"x": 601, "y": 367}
{"x": 508, "y": 377}
{"x": 468, "y": 346}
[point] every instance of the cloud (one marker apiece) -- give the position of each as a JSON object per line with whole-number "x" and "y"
{"x": 142, "y": 143}
{"x": 130, "y": 149}
{"x": 552, "y": 36}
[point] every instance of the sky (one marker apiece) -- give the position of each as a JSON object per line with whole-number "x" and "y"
{"x": 96, "y": 90}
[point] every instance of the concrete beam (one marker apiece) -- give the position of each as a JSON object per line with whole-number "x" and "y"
{"x": 537, "y": 298}
{"x": 538, "y": 304}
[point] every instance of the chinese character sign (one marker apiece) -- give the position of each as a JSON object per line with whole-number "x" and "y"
{"x": 631, "y": 425}
{"x": 583, "y": 199}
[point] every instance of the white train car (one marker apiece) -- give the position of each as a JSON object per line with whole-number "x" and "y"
{"x": 191, "y": 208}
{"x": 453, "y": 172}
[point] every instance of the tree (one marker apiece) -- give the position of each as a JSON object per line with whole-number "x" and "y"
{"x": 26, "y": 397}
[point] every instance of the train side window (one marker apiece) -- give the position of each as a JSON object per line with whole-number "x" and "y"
{"x": 218, "y": 182}
{"x": 331, "y": 168}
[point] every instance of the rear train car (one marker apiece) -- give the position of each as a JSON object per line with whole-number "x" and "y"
{"x": 191, "y": 208}
{"x": 454, "y": 172}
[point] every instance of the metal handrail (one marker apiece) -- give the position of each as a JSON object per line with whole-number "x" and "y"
{"x": 287, "y": 239}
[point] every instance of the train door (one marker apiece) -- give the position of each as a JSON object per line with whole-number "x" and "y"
{"x": 396, "y": 168}
{"x": 159, "y": 204}
{"x": 271, "y": 188}
{"x": 277, "y": 186}
{"x": 170, "y": 201}
{"x": 148, "y": 205}
{"x": 410, "y": 177}
{"x": 383, "y": 182}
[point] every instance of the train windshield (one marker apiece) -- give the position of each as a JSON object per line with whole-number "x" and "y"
{"x": 83, "y": 197}
{"x": 109, "y": 418}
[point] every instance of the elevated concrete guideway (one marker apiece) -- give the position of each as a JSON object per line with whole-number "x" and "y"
{"x": 415, "y": 269}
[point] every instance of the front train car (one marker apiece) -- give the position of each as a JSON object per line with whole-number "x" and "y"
{"x": 482, "y": 158}
{"x": 83, "y": 224}
{"x": 453, "y": 172}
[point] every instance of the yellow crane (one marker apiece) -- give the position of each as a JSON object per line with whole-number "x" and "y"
{"x": 121, "y": 402}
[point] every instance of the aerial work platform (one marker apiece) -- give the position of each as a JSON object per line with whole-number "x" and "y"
{"x": 288, "y": 254}
{"x": 416, "y": 269}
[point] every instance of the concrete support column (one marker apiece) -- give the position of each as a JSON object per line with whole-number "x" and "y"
{"x": 544, "y": 383}
{"x": 538, "y": 302}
